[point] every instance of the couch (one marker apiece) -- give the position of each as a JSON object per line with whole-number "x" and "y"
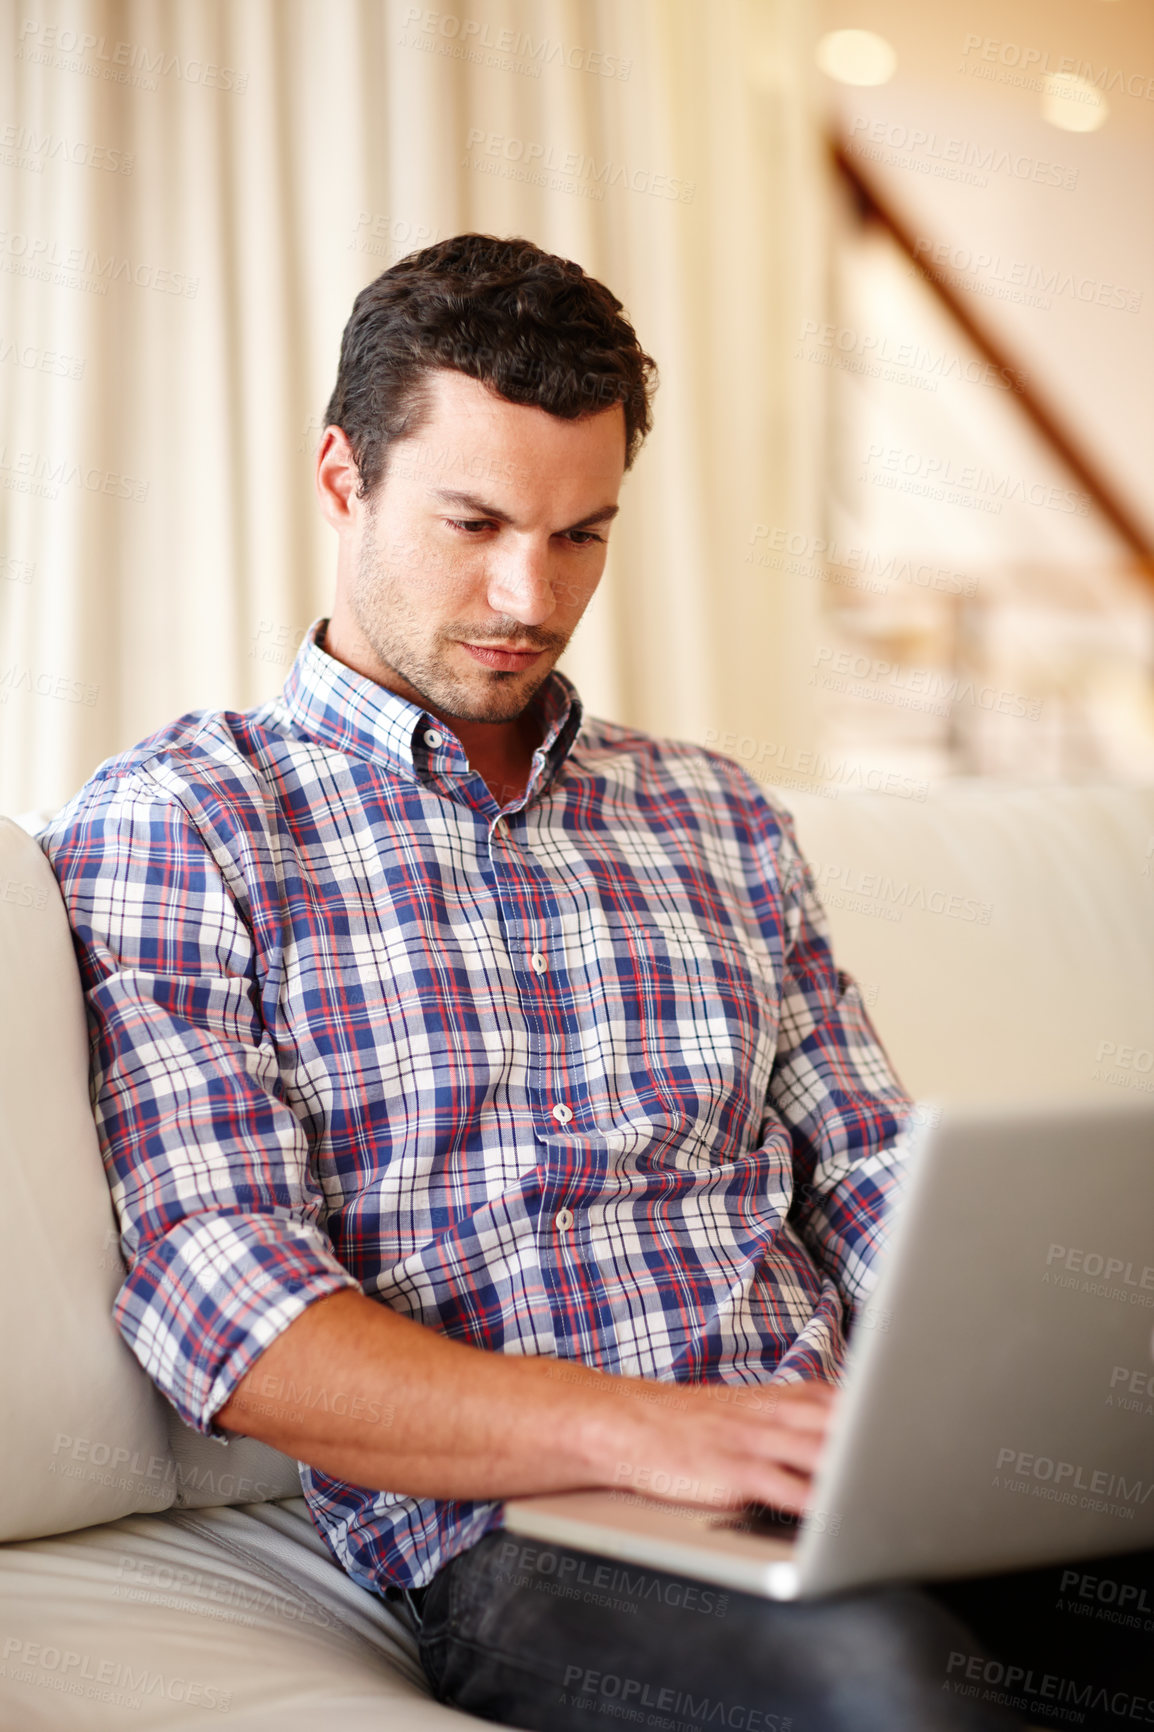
{"x": 154, "y": 1578}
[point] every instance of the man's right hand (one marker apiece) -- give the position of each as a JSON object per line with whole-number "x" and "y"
{"x": 725, "y": 1446}
{"x": 371, "y": 1397}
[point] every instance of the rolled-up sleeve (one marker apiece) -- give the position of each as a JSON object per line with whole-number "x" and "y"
{"x": 834, "y": 1087}
{"x": 220, "y": 1214}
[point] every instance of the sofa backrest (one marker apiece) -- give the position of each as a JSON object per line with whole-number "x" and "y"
{"x": 1004, "y": 937}
{"x": 86, "y": 1437}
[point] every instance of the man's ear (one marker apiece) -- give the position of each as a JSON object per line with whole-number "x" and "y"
{"x": 338, "y": 478}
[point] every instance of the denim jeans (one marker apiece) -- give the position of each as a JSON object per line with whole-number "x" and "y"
{"x": 537, "y": 1635}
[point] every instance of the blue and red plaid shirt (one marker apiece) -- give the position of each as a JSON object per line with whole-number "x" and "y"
{"x": 576, "y": 1076}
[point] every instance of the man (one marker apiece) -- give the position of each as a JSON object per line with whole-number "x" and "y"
{"x": 481, "y": 1070}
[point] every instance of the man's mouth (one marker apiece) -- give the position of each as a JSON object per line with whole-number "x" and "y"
{"x": 508, "y": 661}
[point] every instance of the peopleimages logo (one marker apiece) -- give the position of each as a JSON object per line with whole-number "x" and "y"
{"x": 962, "y": 266}
{"x": 18, "y": 677}
{"x": 50, "y": 474}
{"x": 783, "y": 765}
{"x": 529, "y": 158}
{"x": 915, "y": 471}
{"x": 127, "y": 1470}
{"x": 1094, "y": 1263}
{"x": 622, "y": 1697}
{"x": 1022, "y": 1687}
{"x": 25, "y": 147}
{"x": 879, "y": 355}
{"x": 1070, "y": 1482}
{"x": 930, "y": 689}
{"x": 121, "y": 62}
{"x": 37, "y": 360}
{"x": 891, "y": 898}
{"x": 575, "y": 1577}
{"x": 50, "y": 260}
{"x": 951, "y": 158}
{"x": 807, "y": 555}
{"x": 1026, "y": 65}
{"x": 77, "y": 1674}
{"x": 1105, "y": 1591}
{"x": 1135, "y": 1388}
{"x": 480, "y": 41}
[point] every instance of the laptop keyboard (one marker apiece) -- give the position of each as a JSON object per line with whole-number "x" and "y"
{"x": 762, "y": 1520}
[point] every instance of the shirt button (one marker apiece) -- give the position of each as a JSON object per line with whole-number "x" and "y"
{"x": 537, "y": 963}
{"x": 564, "y": 1220}
{"x": 433, "y": 738}
{"x": 562, "y": 1113}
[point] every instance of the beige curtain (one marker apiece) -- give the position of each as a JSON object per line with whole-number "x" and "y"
{"x": 193, "y": 192}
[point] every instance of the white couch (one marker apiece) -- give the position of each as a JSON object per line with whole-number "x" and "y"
{"x": 1005, "y": 944}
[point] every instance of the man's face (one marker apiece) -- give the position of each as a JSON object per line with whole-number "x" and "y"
{"x": 482, "y": 546}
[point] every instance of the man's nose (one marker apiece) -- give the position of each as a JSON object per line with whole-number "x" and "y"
{"x": 520, "y": 584}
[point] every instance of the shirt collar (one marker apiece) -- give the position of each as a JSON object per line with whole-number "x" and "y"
{"x": 326, "y": 701}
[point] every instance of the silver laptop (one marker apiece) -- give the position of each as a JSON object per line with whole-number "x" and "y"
{"x": 998, "y": 1400}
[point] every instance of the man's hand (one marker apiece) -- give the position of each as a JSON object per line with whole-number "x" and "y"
{"x": 371, "y": 1397}
{"x": 717, "y": 1445}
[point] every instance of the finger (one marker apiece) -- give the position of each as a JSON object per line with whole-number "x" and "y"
{"x": 770, "y": 1445}
{"x": 788, "y": 1428}
{"x": 812, "y": 1392}
{"x": 800, "y": 1450}
{"x": 736, "y": 1486}
{"x": 805, "y": 1415}
{"x": 779, "y": 1489}
{"x": 775, "y": 1487}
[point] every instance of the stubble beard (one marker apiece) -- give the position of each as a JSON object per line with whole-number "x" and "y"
{"x": 381, "y": 603}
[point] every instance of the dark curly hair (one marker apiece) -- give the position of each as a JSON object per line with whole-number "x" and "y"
{"x": 530, "y": 325}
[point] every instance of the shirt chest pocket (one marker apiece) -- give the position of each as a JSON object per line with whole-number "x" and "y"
{"x": 696, "y": 1015}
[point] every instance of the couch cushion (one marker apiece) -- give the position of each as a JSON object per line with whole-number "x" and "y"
{"x": 172, "y": 1621}
{"x": 230, "y": 1611}
{"x": 82, "y": 1429}
{"x": 87, "y": 1436}
{"x": 1004, "y": 937}
{"x": 215, "y": 1470}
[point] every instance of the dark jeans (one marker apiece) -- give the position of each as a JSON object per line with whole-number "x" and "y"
{"x": 539, "y": 1636}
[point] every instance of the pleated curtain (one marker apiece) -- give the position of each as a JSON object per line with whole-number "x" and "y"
{"x": 193, "y": 191}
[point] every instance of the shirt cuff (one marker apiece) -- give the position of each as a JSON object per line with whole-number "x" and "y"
{"x": 201, "y": 1304}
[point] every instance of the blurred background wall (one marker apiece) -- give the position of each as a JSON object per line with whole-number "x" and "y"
{"x": 894, "y": 261}
{"x": 989, "y": 513}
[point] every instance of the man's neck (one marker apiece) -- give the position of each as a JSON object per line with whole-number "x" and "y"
{"x": 502, "y": 752}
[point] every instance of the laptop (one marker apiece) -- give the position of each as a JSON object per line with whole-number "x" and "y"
{"x": 997, "y": 1406}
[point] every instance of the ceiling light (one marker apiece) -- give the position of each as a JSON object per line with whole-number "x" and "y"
{"x": 856, "y": 57}
{"x": 1073, "y": 103}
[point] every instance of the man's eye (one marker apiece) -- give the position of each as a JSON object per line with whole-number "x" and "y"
{"x": 469, "y": 525}
{"x": 582, "y": 537}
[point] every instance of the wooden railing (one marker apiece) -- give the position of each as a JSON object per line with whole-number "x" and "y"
{"x": 875, "y": 207}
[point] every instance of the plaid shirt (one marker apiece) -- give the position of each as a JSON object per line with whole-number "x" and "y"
{"x": 576, "y": 1076}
